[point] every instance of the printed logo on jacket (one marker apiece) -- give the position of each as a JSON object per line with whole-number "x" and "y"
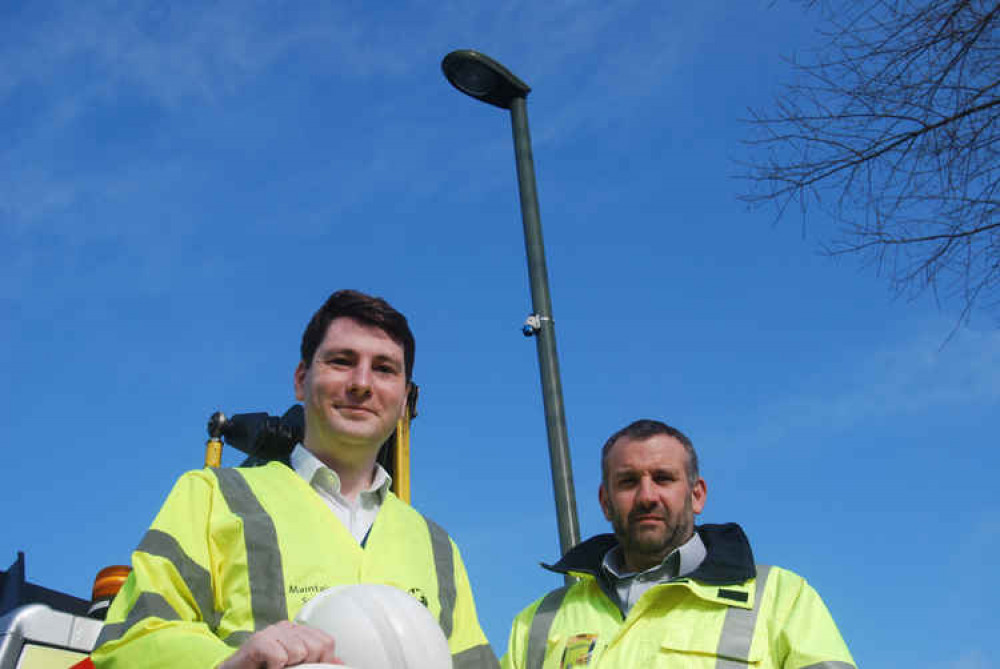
{"x": 579, "y": 650}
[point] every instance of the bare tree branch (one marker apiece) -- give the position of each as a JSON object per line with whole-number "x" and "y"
{"x": 897, "y": 115}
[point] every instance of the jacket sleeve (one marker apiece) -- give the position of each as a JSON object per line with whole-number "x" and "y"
{"x": 469, "y": 647}
{"x": 804, "y": 633}
{"x": 164, "y": 615}
{"x": 517, "y": 643}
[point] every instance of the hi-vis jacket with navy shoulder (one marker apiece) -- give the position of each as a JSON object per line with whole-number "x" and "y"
{"x": 727, "y": 614}
{"x": 235, "y": 550}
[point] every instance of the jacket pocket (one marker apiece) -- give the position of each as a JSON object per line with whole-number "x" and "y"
{"x": 692, "y": 651}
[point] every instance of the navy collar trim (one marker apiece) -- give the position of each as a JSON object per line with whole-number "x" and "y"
{"x": 729, "y": 559}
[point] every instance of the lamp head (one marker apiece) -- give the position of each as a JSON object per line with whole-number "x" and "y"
{"x": 483, "y": 78}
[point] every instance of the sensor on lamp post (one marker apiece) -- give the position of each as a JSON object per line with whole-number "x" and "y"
{"x": 484, "y": 79}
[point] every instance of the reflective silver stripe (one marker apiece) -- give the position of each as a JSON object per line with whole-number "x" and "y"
{"x": 195, "y": 577}
{"x": 737, "y": 628}
{"x": 831, "y": 665}
{"x": 264, "y": 570}
{"x": 147, "y": 605}
{"x": 477, "y": 657}
{"x": 444, "y": 566}
{"x": 237, "y": 638}
{"x": 541, "y": 623}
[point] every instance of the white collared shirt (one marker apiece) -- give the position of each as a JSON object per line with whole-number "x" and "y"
{"x": 357, "y": 516}
{"x": 630, "y": 586}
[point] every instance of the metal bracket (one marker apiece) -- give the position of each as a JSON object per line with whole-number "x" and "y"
{"x": 533, "y": 324}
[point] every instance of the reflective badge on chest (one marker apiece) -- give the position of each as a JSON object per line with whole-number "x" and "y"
{"x": 579, "y": 650}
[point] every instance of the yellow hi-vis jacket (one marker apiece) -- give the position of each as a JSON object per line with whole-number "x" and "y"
{"x": 233, "y": 551}
{"x": 727, "y": 614}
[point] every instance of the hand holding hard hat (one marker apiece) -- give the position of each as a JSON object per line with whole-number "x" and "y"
{"x": 283, "y": 644}
{"x": 377, "y": 626}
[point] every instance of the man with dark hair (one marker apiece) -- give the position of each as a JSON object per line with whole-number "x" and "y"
{"x": 365, "y": 309}
{"x": 662, "y": 592}
{"x": 235, "y": 553}
{"x": 643, "y": 429}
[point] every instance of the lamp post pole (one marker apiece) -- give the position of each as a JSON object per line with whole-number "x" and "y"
{"x": 481, "y": 77}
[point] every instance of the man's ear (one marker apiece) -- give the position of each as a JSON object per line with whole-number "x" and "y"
{"x": 300, "y": 381}
{"x": 602, "y": 497}
{"x": 698, "y": 494}
{"x": 406, "y": 397}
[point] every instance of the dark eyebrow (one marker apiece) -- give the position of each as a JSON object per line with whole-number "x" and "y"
{"x": 326, "y": 353}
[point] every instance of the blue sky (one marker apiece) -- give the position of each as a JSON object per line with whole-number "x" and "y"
{"x": 182, "y": 184}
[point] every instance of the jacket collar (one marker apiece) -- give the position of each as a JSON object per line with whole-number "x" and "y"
{"x": 728, "y": 560}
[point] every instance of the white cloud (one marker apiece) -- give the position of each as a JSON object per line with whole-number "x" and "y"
{"x": 70, "y": 59}
{"x": 73, "y": 57}
{"x": 202, "y": 51}
{"x": 914, "y": 378}
{"x": 974, "y": 659}
{"x": 173, "y": 55}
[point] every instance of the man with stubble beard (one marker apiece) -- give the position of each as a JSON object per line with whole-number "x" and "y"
{"x": 662, "y": 592}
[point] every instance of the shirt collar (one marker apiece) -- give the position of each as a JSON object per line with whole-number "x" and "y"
{"x": 680, "y": 562}
{"x": 315, "y": 473}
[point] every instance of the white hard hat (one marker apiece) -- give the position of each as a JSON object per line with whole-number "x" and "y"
{"x": 378, "y": 626}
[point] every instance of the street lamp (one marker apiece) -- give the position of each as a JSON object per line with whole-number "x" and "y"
{"x": 483, "y": 78}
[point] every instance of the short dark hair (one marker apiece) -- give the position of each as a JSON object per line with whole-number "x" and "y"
{"x": 363, "y": 308}
{"x": 643, "y": 429}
